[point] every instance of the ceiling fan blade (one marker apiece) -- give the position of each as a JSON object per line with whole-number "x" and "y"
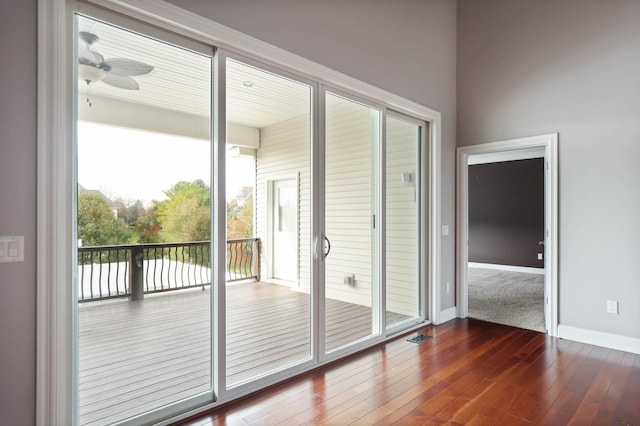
{"x": 88, "y": 37}
{"x": 121, "y": 82}
{"x": 125, "y": 67}
{"x": 88, "y": 56}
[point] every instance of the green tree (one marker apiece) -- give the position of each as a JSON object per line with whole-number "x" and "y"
{"x": 240, "y": 219}
{"x": 97, "y": 223}
{"x": 185, "y": 215}
{"x": 129, "y": 212}
{"x": 148, "y": 227}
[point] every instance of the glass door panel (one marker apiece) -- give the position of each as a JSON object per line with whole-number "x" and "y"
{"x": 268, "y": 302}
{"x": 352, "y": 136}
{"x": 402, "y": 208}
{"x": 143, "y": 224}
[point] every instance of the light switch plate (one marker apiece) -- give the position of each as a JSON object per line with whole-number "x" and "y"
{"x": 445, "y": 230}
{"x": 11, "y": 249}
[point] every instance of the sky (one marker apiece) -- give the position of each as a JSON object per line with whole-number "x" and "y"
{"x": 138, "y": 165}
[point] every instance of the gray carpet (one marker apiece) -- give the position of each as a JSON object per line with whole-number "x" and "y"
{"x": 509, "y": 298}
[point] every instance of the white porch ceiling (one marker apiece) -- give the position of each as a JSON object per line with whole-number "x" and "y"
{"x": 180, "y": 81}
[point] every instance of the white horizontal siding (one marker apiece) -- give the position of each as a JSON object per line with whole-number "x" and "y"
{"x": 285, "y": 151}
{"x": 401, "y": 219}
{"x": 348, "y": 202}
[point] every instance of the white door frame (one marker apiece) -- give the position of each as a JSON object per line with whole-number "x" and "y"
{"x": 271, "y": 182}
{"x": 498, "y": 151}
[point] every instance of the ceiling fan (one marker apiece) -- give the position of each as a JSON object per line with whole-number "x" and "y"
{"x": 117, "y": 72}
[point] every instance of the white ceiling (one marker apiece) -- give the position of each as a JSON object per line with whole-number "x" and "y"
{"x": 180, "y": 80}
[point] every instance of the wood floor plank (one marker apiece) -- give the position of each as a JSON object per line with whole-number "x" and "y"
{"x": 470, "y": 372}
{"x": 418, "y": 380}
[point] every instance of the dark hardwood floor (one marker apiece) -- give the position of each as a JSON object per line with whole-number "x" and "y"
{"x": 471, "y": 372}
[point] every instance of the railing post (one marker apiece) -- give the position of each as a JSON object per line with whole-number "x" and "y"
{"x": 255, "y": 257}
{"x": 136, "y": 275}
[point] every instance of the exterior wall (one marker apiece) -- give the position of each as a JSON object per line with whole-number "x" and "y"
{"x": 506, "y": 212}
{"x": 285, "y": 151}
{"x": 530, "y": 67}
{"x": 348, "y": 208}
{"x": 402, "y": 219}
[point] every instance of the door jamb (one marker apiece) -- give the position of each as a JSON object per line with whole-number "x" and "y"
{"x": 550, "y": 144}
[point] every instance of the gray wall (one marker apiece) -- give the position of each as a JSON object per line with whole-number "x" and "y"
{"x": 18, "y": 210}
{"x": 528, "y": 67}
{"x": 506, "y": 212}
{"x": 407, "y": 47}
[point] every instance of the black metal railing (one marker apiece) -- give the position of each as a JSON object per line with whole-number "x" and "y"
{"x": 241, "y": 262}
{"x": 134, "y": 270}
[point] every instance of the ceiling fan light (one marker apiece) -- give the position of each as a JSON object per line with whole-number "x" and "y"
{"x": 90, "y": 73}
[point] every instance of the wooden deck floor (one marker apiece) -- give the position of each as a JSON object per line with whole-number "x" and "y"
{"x": 136, "y": 356}
{"x": 470, "y": 373}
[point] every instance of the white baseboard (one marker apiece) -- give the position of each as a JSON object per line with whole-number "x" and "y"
{"x": 448, "y": 314}
{"x": 509, "y": 268}
{"x": 599, "y": 338}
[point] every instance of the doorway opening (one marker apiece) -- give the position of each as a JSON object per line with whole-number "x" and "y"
{"x": 507, "y": 217}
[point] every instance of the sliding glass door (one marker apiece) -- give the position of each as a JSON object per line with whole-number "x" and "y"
{"x": 143, "y": 283}
{"x": 403, "y": 243}
{"x": 317, "y": 251}
{"x": 269, "y": 192}
{"x": 351, "y": 283}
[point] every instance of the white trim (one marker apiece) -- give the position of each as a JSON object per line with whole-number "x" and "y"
{"x": 448, "y": 314}
{"x": 434, "y": 220}
{"x": 599, "y": 338}
{"x": 510, "y": 268}
{"x": 550, "y": 144}
{"x": 318, "y": 215}
{"x": 497, "y": 157}
{"x": 219, "y": 224}
{"x": 54, "y": 354}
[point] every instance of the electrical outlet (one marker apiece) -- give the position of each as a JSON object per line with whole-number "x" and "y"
{"x": 447, "y": 288}
{"x": 612, "y": 307}
{"x": 349, "y": 279}
{"x": 539, "y": 256}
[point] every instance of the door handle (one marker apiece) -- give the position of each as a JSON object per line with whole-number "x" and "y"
{"x": 541, "y": 243}
{"x": 328, "y": 245}
{"x": 315, "y": 246}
